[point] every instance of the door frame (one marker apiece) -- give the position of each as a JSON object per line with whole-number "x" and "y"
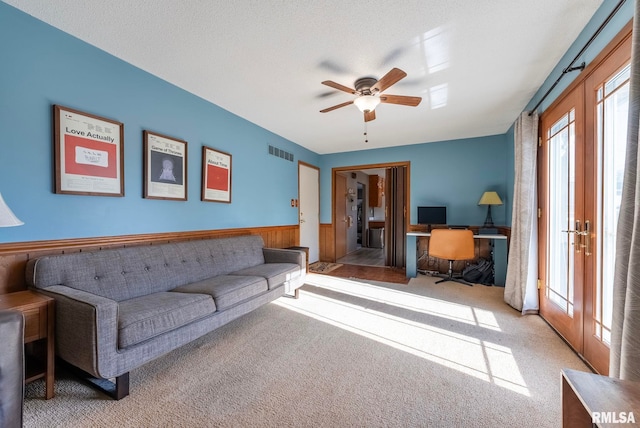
{"x": 339, "y": 224}
{"x": 336, "y": 170}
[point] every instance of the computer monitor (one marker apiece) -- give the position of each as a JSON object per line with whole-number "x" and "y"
{"x": 432, "y": 215}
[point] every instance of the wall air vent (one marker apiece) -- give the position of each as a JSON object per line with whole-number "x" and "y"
{"x": 279, "y": 153}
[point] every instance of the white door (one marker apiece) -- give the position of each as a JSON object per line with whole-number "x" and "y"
{"x": 309, "y": 209}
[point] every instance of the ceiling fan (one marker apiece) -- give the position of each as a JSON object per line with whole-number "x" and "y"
{"x": 369, "y": 93}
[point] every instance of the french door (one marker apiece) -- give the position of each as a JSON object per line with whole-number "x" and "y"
{"x": 562, "y": 218}
{"x": 582, "y": 153}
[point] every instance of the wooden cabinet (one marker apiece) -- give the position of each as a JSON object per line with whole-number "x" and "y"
{"x": 376, "y": 190}
{"x": 38, "y": 311}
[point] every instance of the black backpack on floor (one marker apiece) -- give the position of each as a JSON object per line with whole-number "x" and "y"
{"x": 479, "y": 273}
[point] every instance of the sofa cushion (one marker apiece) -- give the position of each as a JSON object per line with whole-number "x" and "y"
{"x": 275, "y": 273}
{"x": 227, "y": 290}
{"x": 144, "y": 317}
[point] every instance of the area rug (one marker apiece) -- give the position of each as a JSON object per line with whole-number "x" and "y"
{"x": 323, "y": 267}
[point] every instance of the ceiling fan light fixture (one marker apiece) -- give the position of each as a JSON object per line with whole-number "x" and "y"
{"x": 366, "y": 102}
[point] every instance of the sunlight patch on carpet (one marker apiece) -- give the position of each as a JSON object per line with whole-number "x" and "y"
{"x": 450, "y": 334}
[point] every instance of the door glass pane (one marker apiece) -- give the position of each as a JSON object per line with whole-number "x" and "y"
{"x": 612, "y": 113}
{"x": 561, "y": 203}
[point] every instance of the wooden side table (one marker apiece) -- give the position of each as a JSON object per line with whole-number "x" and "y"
{"x": 38, "y": 311}
{"x": 591, "y": 400}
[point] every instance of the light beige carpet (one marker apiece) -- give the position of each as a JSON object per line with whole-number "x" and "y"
{"x": 347, "y": 353}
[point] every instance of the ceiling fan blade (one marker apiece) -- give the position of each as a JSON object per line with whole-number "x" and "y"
{"x": 328, "y": 109}
{"x": 400, "y": 99}
{"x": 388, "y": 79}
{"x": 338, "y": 86}
{"x": 369, "y": 115}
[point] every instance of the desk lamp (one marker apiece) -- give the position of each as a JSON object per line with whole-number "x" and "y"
{"x": 7, "y": 218}
{"x": 488, "y": 199}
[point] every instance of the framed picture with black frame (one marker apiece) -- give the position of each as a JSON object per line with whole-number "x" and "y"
{"x": 216, "y": 175}
{"x": 88, "y": 153}
{"x": 165, "y": 167}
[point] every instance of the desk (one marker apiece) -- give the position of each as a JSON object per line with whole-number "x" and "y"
{"x": 411, "y": 253}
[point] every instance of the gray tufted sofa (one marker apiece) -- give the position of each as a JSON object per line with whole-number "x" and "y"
{"x": 120, "y": 308}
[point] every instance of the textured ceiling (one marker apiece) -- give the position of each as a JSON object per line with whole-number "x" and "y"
{"x": 476, "y": 63}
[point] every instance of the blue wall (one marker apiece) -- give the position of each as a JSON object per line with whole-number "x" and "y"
{"x": 452, "y": 173}
{"x": 42, "y": 66}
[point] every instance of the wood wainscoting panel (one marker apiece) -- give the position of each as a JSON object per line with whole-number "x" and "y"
{"x": 14, "y": 256}
{"x": 327, "y": 243}
{"x": 12, "y": 272}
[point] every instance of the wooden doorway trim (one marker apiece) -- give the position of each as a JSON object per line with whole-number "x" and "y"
{"x": 341, "y": 169}
{"x": 340, "y": 225}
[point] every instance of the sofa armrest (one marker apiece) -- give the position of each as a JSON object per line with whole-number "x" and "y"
{"x": 11, "y": 368}
{"x": 282, "y": 255}
{"x": 86, "y": 329}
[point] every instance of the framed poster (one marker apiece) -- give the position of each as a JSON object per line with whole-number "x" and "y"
{"x": 165, "y": 167}
{"x": 216, "y": 175}
{"x": 88, "y": 153}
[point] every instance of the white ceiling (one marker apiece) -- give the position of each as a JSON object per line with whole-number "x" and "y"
{"x": 263, "y": 60}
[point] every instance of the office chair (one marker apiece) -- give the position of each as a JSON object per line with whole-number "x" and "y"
{"x": 452, "y": 245}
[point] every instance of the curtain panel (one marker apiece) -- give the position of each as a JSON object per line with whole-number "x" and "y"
{"x": 625, "y": 332}
{"x": 521, "y": 286}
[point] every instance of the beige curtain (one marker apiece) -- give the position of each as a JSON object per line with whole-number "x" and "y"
{"x": 625, "y": 333}
{"x": 521, "y": 287}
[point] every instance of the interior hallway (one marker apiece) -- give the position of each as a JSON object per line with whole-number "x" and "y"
{"x": 364, "y": 257}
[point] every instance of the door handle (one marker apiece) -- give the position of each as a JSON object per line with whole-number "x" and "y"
{"x": 579, "y": 234}
{"x": 587, "y": 238}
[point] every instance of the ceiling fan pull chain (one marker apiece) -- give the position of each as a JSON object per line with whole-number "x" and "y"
{"x": 366, "y": 139}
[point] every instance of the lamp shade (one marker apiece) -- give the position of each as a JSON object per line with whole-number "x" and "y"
{"x": 366, "y": 102}
{"x": 490, "y": 198}
{"x": 7, "y": 218}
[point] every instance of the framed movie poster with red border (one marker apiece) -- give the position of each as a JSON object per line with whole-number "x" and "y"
{"x": 216, "y": 175}
{"x": 88, "y": 153}
{"x": 165, "y": 167}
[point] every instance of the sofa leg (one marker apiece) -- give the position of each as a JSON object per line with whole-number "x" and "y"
{"x": 122, "y": 386}
{"x": 116, "y": 390}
